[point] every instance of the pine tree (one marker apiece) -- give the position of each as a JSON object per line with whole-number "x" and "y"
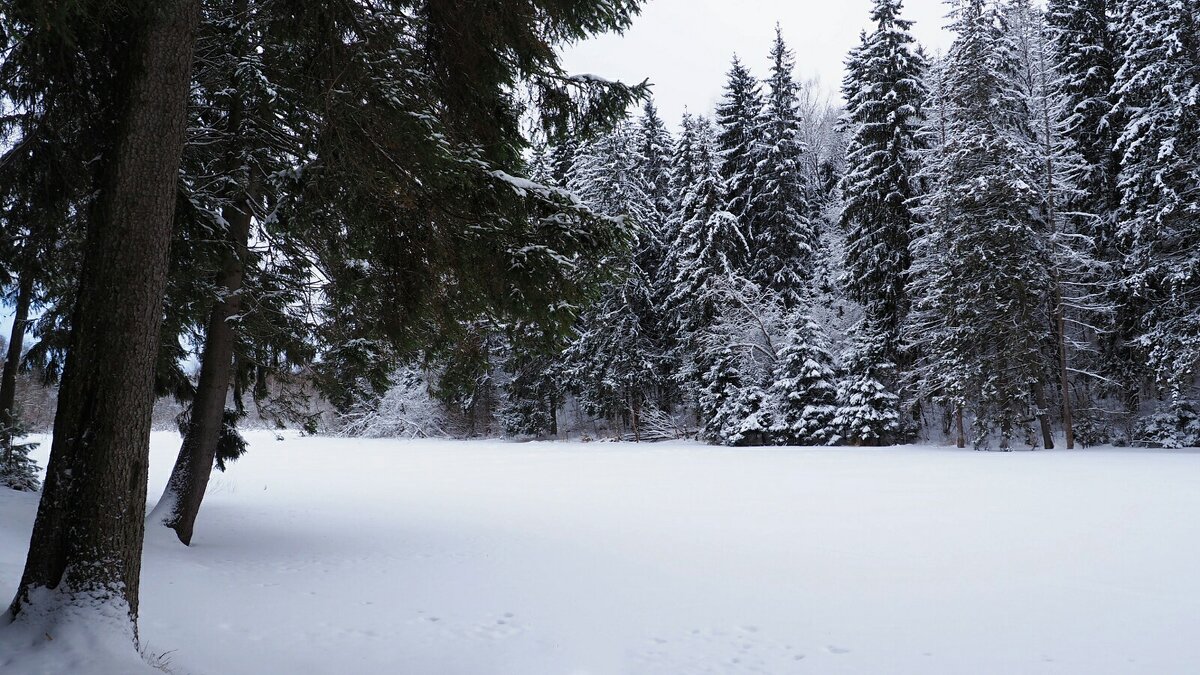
{"x": 804, "y": 390}
{"x": 1086, "y": 59}
{"x": 885, "y": 97}
{"x": 709, "y": 247}
{"x": 617, "y": 361}
{"x": 868, "y": 411}
{"x": 1159, "y": 216}
{"x": 738, "y": 116}
{"x": 784, "y": 250}
{"x": 654, "y": 157}
{"x": 982, "y": 320}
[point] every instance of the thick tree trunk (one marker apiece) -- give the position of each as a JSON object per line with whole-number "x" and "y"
{"x": 8, "y": 381}
{"x": 181, "y": 500}
{"x": 87, "y": 538}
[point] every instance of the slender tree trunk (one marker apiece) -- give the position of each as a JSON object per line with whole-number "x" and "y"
{"x": 635, "y": 408}
{"x": 1064, "y": 379}
{"x": 1052, "y": 212}
{"x": 87, "y": 538}
{"x": 184, "y": 493}
{"x": 1043, "y": 414}
{"x": 962, "y": 429}
{"x": 8, "y": 381}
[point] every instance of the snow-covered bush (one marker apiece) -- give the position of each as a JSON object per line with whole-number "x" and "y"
{"x": 657, "y": 424}
{"x": 407, "y": 410}
{"x": 1175, "y": 425}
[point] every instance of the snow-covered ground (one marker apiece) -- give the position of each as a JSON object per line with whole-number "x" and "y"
{"x": 316, "y": 555}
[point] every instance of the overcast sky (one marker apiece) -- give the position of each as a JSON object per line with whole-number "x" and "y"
{"x": 684, "y": 46}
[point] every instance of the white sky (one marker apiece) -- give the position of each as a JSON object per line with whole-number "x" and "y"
{"x": 684, "y": 46}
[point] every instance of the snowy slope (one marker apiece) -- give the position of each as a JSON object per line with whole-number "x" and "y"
{"x": 317, "y": 555}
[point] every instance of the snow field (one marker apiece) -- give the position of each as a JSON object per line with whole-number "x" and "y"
{"x": 319, "y": 555}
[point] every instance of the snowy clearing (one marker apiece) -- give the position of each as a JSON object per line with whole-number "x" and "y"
{"x": 318, "y": 555}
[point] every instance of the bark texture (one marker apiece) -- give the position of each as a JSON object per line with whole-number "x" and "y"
{"x": 87, "y": 538}
{"x": 193, "y": 467}
{"x": 8, "y": 381}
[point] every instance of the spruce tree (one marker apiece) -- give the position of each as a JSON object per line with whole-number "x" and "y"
{"x": 654, "y": 160}
{"x": 717, "y": 400}
{"x": 617, "y": 360}
{"x": 238, "y": 146}
{"x": 885, "y": 98}
{"x": 738, "y": 117}
{"x": 982, "y": 322}
{"x": 1086, "y": 58}
{"x": 536, "y": 384}
{"x": 804, "y": 390}
{"x": 1159, "y": 216}
{"x": 868, "y": 411}
{"x": 87, "y": 539}
{"x": 709, "y": 247}
{"x": 1077, "y": 302}
{"x": 786, "y": 239}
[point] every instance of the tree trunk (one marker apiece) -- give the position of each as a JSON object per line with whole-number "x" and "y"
{"x": 1043, "y": 414}
{"x": 181, "y": 500}
{"x": 635, "y": 407}
{"x": 962, "y": 430}
{"x": 8, "y": 381}
{"x": 185, "y": 489}
{"x": 1064, "y": 379}
{"x": 1052, "y": 212}
{"x": 87, "y": 538}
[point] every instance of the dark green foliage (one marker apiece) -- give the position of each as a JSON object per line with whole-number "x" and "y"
{"x": 868, "y": 411}
{"x": 885, "y": 98}
{"x": 1159, "y": 218}
{"x": 983, "y": 274}
{"x": 230, "y": 445}
{"x": 18, "y": 471}
{"x": 738, "y": 118}
{"x": 785, "y": 236}
{"x": 804, "y": 390}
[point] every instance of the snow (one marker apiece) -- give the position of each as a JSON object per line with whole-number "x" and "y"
{"x": 59, "y": 636}
{"x": 321, "y": 555}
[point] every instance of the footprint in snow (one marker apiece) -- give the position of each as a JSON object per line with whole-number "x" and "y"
{"x": 833, "y": 649}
